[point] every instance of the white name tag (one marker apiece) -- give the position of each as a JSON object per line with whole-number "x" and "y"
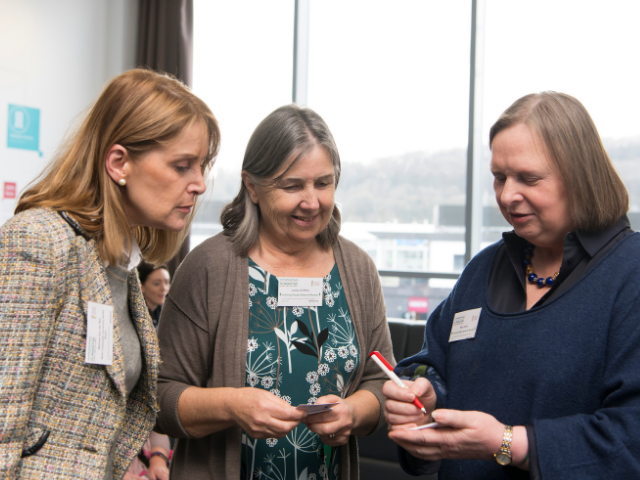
{"x": 299, "y": 292}
{"x": 99, "y": 349}
{"x": 465, "y": 325}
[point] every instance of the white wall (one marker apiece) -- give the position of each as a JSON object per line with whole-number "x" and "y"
{"x": 56, "y": 56}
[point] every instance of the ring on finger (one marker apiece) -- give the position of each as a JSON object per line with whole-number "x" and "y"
{"x": 332, "y": 436}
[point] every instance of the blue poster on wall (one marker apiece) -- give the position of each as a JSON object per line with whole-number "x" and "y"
{"x": 24, "y": 128}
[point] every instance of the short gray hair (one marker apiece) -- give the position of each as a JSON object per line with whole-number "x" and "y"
{"x": 287, "y": 131}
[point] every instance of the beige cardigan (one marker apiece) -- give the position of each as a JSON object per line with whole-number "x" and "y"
{"x": 203, "y": 342}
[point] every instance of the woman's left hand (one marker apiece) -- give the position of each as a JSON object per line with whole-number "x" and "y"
{"x": 338, "y": 422}
{"x": 468, "y": 435}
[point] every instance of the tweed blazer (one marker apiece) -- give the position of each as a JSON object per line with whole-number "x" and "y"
{"x": 59, "y": 416}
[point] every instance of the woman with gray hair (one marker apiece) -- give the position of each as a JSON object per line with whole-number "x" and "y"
{"x": 530, "y": 366}
{"x": 272, "y": 320}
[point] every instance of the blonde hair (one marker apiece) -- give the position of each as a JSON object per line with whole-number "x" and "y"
{"x": 597, "y": 195}
{"x": 287, "y": 132}
{"x": 140, "y": 110}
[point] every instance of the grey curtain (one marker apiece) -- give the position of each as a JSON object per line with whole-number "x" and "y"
{"x": 165, "y": 37}
{"x": 165, "y": 44}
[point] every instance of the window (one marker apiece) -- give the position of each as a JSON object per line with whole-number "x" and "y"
{"x": 392, "y": 81}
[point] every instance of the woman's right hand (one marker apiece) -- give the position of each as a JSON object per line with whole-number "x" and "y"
{"x": 263, "y": 415}
{"x": 399, "y": 411}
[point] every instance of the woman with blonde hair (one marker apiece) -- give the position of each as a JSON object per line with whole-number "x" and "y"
{"x": 79, "y": 355}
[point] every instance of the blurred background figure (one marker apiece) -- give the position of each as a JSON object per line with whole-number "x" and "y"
{"x": 154, "y": 283}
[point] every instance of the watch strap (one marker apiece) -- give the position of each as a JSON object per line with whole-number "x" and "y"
{"x": 161, "y": 455}
{"x": 505, "y": 449}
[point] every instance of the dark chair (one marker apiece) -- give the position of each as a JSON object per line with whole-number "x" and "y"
{"x": 378, "y": 454}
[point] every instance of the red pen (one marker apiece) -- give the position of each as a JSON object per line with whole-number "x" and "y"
{"x": 388, "y": 369}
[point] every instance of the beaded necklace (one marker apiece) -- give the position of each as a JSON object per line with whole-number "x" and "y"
{"x": 528, "y": 269}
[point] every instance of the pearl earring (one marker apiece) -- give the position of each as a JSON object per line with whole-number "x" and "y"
{"x": 122, "y": 182}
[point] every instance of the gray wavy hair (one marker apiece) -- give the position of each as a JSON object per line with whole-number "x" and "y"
{"x": 289, "y": 131}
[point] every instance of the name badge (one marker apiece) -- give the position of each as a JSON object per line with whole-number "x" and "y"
{"x": 299, "y": 292}
{"x": 464, "y": 325}
{"x": 99, "y": 349}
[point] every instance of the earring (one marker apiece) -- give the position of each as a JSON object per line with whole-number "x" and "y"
{"x": 122, "y": 182}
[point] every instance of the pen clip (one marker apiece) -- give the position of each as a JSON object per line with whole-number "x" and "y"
{"x": 382, "y": 359}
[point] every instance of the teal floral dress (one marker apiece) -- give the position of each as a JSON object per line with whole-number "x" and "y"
{"x": 298, "y": 354}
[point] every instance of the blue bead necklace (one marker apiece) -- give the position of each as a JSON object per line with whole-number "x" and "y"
{"x": 528, "y": 269}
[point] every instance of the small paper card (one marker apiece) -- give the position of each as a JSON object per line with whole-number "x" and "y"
{"x": 464, "y": 325}
{"x": 99, "y": 348}
{"x": 299, "y": 292}
{"x": 428, "y": 425}
{"x": 312, "y": 409}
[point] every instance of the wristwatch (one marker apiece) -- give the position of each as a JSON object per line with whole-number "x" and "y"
{"x": 161, "y": 455}
{"x": 503, "y": 456}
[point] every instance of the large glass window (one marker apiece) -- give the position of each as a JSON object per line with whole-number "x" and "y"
{"x": 392, "y": 81}
{"x": 242, "y": 68}
{"x": 584, "y": 49}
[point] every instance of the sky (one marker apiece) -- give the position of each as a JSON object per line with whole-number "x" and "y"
{"x": 391, "y": 77}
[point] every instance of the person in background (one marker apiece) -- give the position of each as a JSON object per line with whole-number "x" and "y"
{"x": 236, "y": 362}
{"x": 530, "y": 366}
{"x": 78, "y": 353}
{"x": 154, "y": 283}
{"x": 152, "y": 461}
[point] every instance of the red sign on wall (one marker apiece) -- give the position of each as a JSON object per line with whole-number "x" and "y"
{"x": 418, "y": 304}
{"x": 10, "y": 190}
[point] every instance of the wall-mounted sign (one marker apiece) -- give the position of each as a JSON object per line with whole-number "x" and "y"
{"x": 10, "y": 189}
{"x": 418, "y": 304}
{"x": 24, "y": 128}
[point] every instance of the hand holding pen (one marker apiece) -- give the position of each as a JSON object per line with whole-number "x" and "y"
{"x": 397, "y": 411}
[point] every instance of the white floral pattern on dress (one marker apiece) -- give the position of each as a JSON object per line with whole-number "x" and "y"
{"x": 312, "y": 377}
{"x": 349, "y": 366}
{"x": 315, "y": 389}
{"x": 312, "y": 400}
{"x": 297, "y": 311}
{"x": 330, "y": 355}
{"x": 252, "y": 289}
{"x": 323, "y": 369}
{"x": 253, "y": 379}
{"x": 275, "y": 391}
{"x": 272, "y": 302}
{"x": 353, "y": 351}
{"x": 267, "y": 382}
{"x": 328, "y": 300}
{"x": 287, "y": 399}
{"x": 343, "y": 352}
{"x": 252, "y": 344}
{"x": 272, "y": 442}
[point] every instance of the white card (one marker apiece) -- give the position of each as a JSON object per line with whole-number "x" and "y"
{"x": 313, "y": 408}
{"x": 428, "y": 425}
{"x": 299, "y": 292}
{"x": 99, "y": 349}
{"x": 464, "y": 325}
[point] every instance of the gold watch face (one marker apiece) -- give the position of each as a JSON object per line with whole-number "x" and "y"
{"x": 503, "y": 459}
